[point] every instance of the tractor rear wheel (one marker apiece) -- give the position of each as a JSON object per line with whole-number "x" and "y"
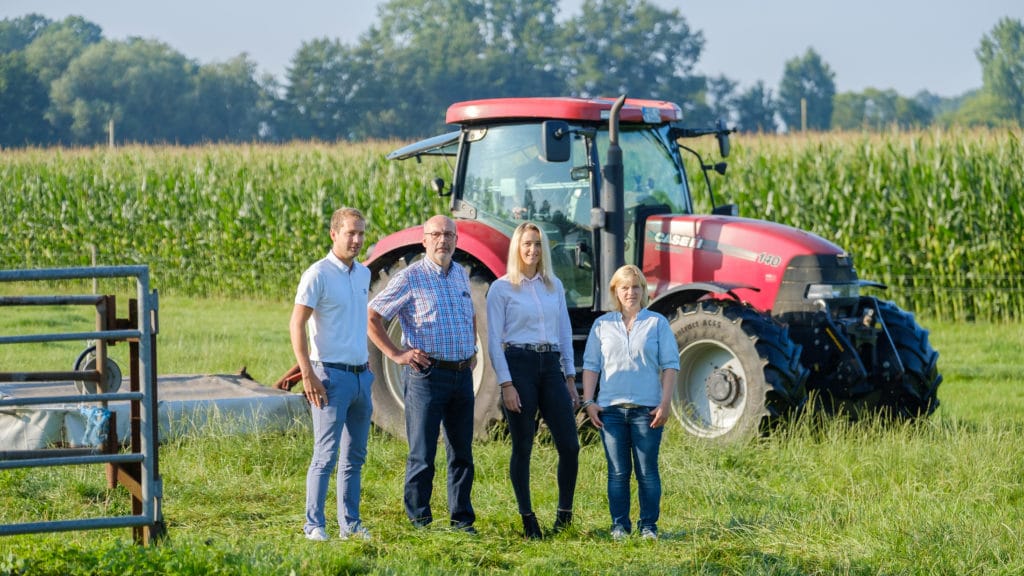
{"x": 389, "y": 386}
{"x": 738, "y": 371}
{"x": 917, "y": 394}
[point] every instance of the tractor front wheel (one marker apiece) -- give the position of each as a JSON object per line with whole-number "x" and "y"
{"x": 917, "y": 394}
{"x": 738, "y": 371}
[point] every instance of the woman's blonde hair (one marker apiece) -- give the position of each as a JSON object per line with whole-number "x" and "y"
{"x": 628, "y": 275}
{"x": 514, "y": 268}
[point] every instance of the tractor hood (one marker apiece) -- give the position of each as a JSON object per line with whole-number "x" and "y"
{"x": 684, "y": 249}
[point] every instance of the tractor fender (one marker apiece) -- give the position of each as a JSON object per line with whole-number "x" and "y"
{"x": 481, "y": 243}
{"x": 667, "y": 302}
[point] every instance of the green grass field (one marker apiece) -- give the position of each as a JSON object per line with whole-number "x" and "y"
{"x": 227, "y": 230}
{"x": 941, "y": 496}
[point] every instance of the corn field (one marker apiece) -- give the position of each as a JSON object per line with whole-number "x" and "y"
{"x": 937, "y": 216}
{"x": 212, "y": 221}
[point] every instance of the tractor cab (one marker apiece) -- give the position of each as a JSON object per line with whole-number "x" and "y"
{"x": 504, "y": 174}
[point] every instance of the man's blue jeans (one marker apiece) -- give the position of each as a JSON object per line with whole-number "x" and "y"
{"x": 630, "y": 443}
{"x": 433, "y": 397}
{"x": 343, "y": 423}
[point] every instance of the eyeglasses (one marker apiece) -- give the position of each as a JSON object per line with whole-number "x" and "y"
{"x": 435, "y": 236}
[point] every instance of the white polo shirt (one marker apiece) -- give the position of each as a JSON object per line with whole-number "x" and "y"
{"x": 338, "y": 296}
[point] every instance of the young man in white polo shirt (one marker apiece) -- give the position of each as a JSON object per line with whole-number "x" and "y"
{"x": 330, "y": 305}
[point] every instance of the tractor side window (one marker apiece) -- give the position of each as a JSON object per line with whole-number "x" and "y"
{"x": 651, "y": 177}
{"x": 490, "y": 171}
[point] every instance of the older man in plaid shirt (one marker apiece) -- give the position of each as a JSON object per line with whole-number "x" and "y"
{"x": 434, "y": 307}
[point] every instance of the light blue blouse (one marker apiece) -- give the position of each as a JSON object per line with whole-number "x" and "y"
{"x": 630, "y": 363}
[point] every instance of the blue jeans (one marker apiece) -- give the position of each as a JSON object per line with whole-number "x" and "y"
{"x": 630, "y": 443}
{"x": 344, "y": 421}
{"x": 434, "y": 397}
{"x": 538, "y": 380}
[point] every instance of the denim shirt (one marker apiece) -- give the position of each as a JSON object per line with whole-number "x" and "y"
{"x": 630, "y": 363}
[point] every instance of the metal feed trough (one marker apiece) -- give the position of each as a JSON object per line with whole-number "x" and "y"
{"x": 98, "y": 380}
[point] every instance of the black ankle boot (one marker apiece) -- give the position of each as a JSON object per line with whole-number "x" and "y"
{"x": 563, "y": 519}
{"x": 531, "y": 529}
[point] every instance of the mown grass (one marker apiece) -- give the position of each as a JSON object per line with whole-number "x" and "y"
{"x": 941, "y": 496}
{"x": 206, "y": 336}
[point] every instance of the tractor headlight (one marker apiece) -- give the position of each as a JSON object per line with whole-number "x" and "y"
{"x": 832, "y": 291}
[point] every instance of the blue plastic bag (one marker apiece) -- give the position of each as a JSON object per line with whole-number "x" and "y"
{"x": 96, "y": 423}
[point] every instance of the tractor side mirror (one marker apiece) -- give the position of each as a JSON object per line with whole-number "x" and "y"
{"x": 581, "y": 256}
{"x": 437, "y": 185}
{"x": 722, "y": 134}
{"x": 556, "y": 144}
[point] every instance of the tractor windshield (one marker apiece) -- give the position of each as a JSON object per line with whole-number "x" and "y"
{"x": 507, "y": 181}
{"x": 507, "y": 178}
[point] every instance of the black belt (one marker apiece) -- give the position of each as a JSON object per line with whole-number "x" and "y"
{"x": 534, "y": 347}
{"x": 458, "y": 365}
{"x": 354, "y": 368}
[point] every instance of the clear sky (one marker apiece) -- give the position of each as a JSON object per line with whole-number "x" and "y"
{"x": 905, "y": 45}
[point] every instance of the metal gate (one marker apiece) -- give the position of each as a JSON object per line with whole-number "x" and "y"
{"x": 134, "y": 467}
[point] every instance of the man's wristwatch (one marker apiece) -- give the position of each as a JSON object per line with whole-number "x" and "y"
{"x": 586, "y": 403}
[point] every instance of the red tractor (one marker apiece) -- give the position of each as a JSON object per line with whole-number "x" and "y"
{"x": 766, "y": 316}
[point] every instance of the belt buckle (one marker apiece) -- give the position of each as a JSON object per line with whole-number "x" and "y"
{"x": 539, "y": 348}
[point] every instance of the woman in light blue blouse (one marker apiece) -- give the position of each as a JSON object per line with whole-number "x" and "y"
{"x": 530, "y": 347}
{"x": 633, "y": 352}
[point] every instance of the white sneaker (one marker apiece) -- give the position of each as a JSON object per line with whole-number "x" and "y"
{"x": 648, "y": 533}
{"x": 356, "y": 532}
{"x": 619, "y": 533}
{"x": 317, "y": 534}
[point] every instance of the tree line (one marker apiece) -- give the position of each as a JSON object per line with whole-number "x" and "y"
{"x": 63, "y": 83}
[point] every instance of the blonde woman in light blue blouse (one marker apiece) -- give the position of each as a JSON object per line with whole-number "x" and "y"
{"x": 633, "y": 354}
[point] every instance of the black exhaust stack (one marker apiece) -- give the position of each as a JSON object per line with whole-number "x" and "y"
{"x": 612, "y": 210}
